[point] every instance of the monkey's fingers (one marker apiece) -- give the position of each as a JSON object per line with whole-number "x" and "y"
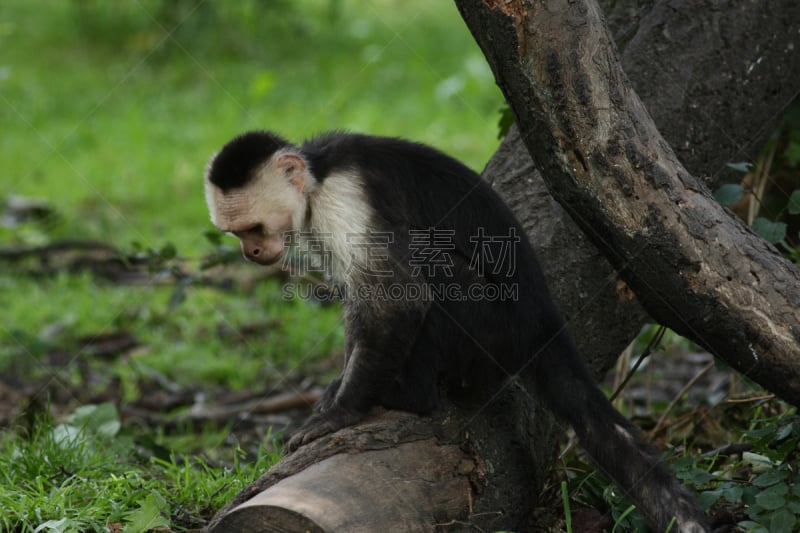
{"x": 322, "y": 424}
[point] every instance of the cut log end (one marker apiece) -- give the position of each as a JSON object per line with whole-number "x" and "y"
{"x": 410, "y": 487}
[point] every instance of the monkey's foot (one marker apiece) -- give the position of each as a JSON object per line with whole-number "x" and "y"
{"x": 328, "y": 397}
{"x": 320, "y": 424}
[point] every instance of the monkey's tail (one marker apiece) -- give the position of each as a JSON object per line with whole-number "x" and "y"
{"x": 616, "y": 448}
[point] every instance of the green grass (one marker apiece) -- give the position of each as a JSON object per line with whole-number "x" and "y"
{"x": 86, "y": 475}
{"x": 184, "y": 345}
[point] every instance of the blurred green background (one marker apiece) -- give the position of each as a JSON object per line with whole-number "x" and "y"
{"x": 110, "y": 110}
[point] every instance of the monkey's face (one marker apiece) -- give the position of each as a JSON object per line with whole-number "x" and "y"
{"x": 263, "y": 242}
{"x": 265, "y": 209}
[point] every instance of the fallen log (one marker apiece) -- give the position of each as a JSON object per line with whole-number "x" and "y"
{"x": 467, "y": 466}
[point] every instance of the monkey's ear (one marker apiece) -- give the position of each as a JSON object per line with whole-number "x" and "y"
{"x": 293, "y": 167}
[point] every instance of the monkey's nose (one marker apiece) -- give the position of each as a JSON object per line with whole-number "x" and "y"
{"x": 262, "y": 256}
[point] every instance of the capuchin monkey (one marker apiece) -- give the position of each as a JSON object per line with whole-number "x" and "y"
{"x": 443, "y": 291}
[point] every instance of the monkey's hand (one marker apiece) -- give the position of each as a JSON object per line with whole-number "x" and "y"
{"x": 323, "y": 423}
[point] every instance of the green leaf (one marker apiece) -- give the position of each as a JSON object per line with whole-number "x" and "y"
{"x": 770, "y": 478}
{"x": 760, "y": 433}
{"x": 733, "y": 494}
{"x": 214, "y": 236}
{"x": 708, "y": 498}
{"x": 792, "y": 153}
{"x": 749, "y": 494}
{"x": 67, "y": 436}
{"x": 565, "y": 500}
{"x": 782, "y": 521}
{"x": 729, "y": 194}
{"x": 57, "y": 526}
{"x": 697, "y": 476}
{"x": 772, "y": 232}
{"x": 148, "y": 516}
{"x": 167, "y": 252}
{"x": 101, "y": 419}
{"x": 773, "y": 497}
{"x": 505, "y": 122}
{"x": 784, "y": 431}
{"x": 741, "y": 167}
{"x": 794, "y": 203}
{"x": 752, "y": 527}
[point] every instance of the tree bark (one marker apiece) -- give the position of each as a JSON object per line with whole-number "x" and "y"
{"x": 690, "y": 63}
{"x": 598, "y": 310}
{"x": 692, "y": 266}
{"x": 715, "y": 75}
{"x": 391, "y": 474}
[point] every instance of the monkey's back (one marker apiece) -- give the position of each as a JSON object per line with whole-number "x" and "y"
{"x": 412, "y": 186}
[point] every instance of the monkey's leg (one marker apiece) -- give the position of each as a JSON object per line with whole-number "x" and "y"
{"x": 326, "y": 400}
{"x": 380, "y": 339}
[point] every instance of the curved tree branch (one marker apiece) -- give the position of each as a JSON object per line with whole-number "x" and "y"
{"x": 693, "y": 266}
{"x": 689, "y": 61}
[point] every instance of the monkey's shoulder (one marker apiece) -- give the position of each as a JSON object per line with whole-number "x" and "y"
{"x": 383, "y": 159}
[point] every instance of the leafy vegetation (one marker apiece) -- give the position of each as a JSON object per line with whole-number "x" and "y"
{"x": 752, "y": 482}
{"x": 768, "y": 197}
{"x": 764, "y": 483}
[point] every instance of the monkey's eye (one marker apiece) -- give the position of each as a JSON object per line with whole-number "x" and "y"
{"x": 255, "y": 229}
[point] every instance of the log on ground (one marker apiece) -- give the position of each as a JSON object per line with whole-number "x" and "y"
{"x": 464, "y": 467}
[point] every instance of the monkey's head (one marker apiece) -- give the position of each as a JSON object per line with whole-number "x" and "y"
{"x": 256, "y": 189}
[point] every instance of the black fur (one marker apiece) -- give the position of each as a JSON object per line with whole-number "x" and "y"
{"x": 234, "y": 166}
{"x": 399, "y": 354}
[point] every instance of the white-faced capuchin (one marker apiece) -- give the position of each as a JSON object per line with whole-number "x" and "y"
{"x": 443, "y": 291}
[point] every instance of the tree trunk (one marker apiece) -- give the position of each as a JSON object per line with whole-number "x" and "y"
{"x": 692, "y": 266}
{"x": 690, "y": 63}
{"x": 715, "y": 75}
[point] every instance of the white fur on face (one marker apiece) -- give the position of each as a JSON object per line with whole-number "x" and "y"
{"x": 267, "y": 200}
{"x": 339, "y": 210}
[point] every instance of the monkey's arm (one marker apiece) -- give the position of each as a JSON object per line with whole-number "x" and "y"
{"x": 379, "y": 338}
